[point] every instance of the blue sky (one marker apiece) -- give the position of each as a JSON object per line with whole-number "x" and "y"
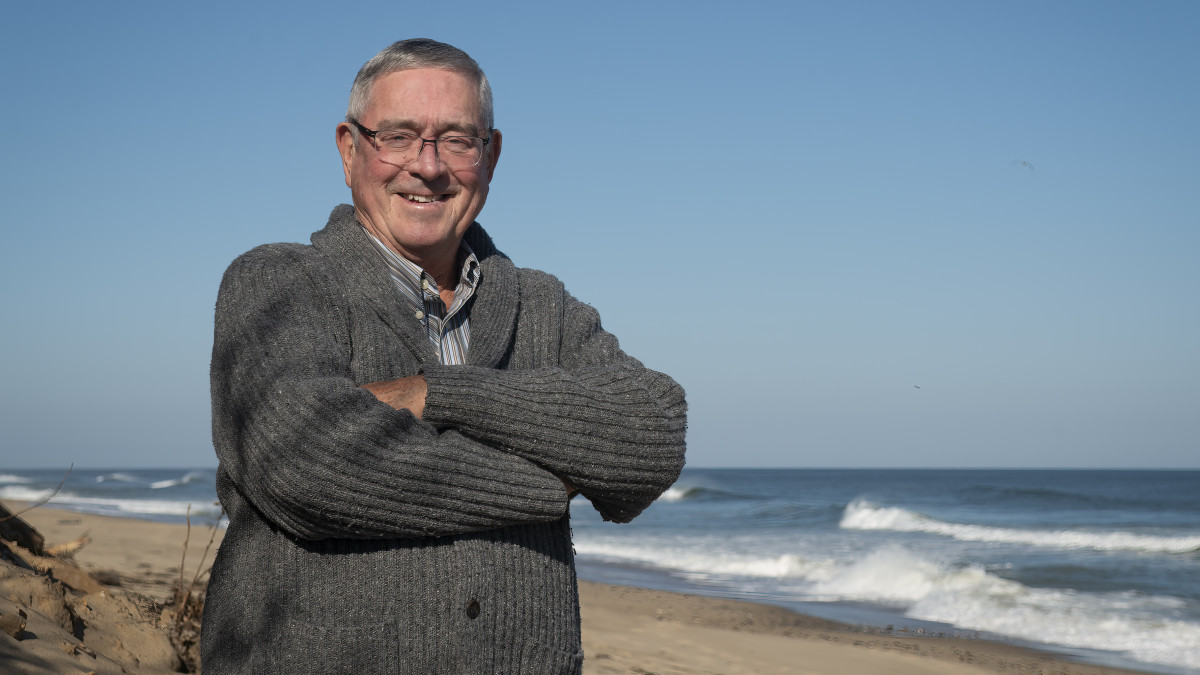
{"x": 802, "y": 211}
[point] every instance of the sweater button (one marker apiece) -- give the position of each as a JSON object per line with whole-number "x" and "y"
{"x": 472, "y": 608}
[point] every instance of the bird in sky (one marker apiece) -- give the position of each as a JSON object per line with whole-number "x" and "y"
{"x": 1024, "y": 164}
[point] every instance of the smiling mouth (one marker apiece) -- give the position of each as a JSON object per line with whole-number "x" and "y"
{"x": 421, "y": 199}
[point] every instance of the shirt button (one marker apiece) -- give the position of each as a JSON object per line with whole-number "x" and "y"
{"x": 419, "y": 314}
{"x": 472, "y": 608}
{"x": 425, "y": 284}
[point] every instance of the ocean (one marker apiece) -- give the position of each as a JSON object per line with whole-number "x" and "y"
{"x": 1103, "y": 566}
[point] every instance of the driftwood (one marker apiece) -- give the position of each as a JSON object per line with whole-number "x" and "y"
{"x": 18, "y": 531}
{"x": 40, "y": 559}
{"x": 22, "y": 533}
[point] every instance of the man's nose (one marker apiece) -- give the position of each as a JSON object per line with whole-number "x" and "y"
{"x": 426, "y": 164}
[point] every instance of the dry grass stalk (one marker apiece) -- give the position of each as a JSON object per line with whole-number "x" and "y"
{"x": 188, "y": 607}
{"x": 67, "y": 550}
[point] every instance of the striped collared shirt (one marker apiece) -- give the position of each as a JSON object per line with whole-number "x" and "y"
{"x": 448, "y": 329}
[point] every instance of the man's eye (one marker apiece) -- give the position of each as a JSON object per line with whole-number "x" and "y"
{"x": 458, "y": 144}
{"x": 396, "y": 138}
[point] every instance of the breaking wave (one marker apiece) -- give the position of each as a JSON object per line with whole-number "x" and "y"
{"x": 190, "y": 477}
{"x": 108, "y": 506}
{"x": 863, "y": 515}
{"x": 966, "y": 596}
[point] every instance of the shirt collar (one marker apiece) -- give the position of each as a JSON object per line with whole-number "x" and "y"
{"x": 412, "y": 275}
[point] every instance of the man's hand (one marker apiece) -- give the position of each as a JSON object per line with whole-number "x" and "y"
{"x": 406, "y": 393}
{"x": 570, "y": 488}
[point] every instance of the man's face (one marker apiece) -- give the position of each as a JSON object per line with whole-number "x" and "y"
{"x": 420, "y": 208}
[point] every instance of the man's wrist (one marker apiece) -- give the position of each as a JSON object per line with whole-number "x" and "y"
{"x": 406, "y": 393}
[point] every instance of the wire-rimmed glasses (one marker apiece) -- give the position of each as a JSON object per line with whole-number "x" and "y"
{"x": 401, "y": 146}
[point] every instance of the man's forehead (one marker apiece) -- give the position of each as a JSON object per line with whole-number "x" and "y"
{"x": 419, "y": 124}
{"x": 421, "y": 97}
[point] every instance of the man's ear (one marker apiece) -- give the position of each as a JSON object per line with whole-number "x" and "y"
{"x": 346, "y": 148}
{"x": 494, "y": 155}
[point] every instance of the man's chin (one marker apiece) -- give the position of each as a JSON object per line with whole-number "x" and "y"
{"x": 431, "y": 245}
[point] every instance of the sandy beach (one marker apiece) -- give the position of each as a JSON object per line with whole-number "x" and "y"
{"x": 116, "y": 618}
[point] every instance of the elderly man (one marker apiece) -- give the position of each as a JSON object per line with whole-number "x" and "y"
{"x": 402, "y": 415}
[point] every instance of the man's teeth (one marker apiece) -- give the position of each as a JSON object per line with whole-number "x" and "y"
{"x": 420, "y": 199}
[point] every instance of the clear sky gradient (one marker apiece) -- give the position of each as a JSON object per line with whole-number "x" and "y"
{"x": 802, "y": 211}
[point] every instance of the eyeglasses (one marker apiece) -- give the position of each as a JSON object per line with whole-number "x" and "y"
{"x": 397, "y": 146}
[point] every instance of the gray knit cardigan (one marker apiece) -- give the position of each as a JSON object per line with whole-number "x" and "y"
{"x": 364, "y": 540}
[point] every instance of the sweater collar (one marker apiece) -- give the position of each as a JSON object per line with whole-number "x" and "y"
{"x": 493, "y": 313}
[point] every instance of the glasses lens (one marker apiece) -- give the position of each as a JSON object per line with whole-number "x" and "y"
{"x": 460, "y": 151}
{"x": 456, "y": 152}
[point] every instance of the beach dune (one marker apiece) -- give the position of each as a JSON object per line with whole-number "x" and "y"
{"x": 122, "y": 623}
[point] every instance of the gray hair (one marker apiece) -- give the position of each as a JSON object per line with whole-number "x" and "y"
{"x": 419, "y": 53}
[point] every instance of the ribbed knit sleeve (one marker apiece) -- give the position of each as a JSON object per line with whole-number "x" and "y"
{"x": 321, "y": 458}
{"x": 612, "y": 427}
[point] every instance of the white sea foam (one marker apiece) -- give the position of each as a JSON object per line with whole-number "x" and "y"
{"x": 681, "y": 493}
{"x": 673, "y": 495}
{"x": 1107, "y": 622}
{"x": 190, "y": 477}
{"x": 23, "y": 494}
{"x": 11, "y": 478}
{"x": 108, "y": 506}
{"x": 678, "y": 494}
{"x": 117, "y": 476}
{"x": 704, "y": 561}
{"x": 863, "y": 515}
{"x": 925, "y": 588}
{"x": 970, "y": 597}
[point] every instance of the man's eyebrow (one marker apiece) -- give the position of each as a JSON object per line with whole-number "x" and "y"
{"x": 413, "y": 125}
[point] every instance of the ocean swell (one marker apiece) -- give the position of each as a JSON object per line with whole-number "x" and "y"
{"x": 863, "y": 515}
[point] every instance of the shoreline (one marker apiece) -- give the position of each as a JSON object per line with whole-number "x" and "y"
{"x": 625, "y": 629}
